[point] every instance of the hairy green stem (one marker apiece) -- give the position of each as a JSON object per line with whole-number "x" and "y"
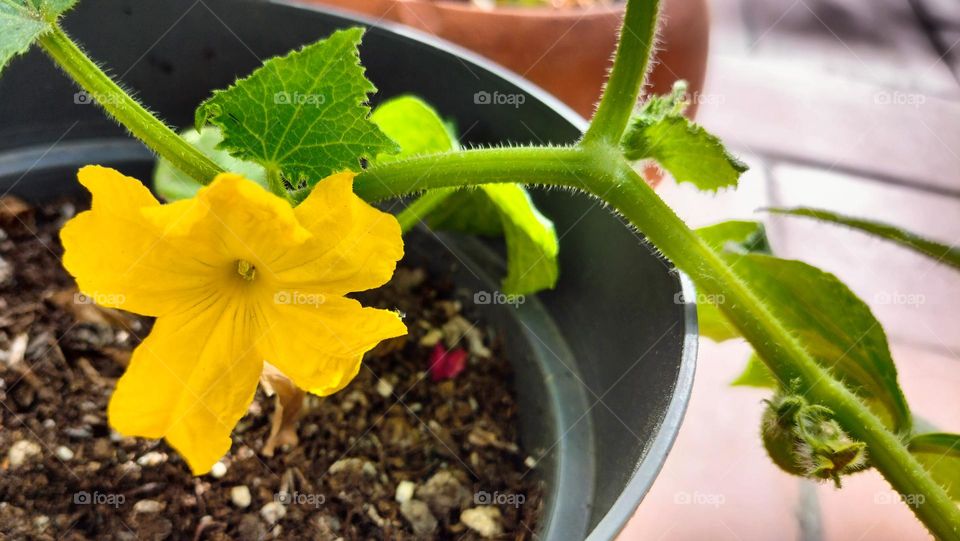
{"x": 275, "y": 183}
{"x": 629, "y": 68}
{"x": 598, "y": 170}
{"x": 534, "y": 165}
{"x": 125, "y": 110}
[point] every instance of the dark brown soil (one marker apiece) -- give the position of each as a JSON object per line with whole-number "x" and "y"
{"x": 65, "y": 475}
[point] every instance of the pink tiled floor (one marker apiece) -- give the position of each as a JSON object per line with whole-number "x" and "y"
{"x": 798, "y": 90}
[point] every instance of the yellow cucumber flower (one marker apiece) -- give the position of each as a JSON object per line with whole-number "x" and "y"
{"x": 235, "y": 276}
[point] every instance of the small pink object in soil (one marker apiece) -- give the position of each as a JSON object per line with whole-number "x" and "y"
{"x": 446, "y": 364}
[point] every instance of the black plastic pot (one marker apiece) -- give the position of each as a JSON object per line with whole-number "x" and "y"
{"x": 604, "y": 364}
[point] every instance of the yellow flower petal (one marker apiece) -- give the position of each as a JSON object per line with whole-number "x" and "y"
{"x": 233, "y": 218}
{"x": 191, "y": 380}
{"x": 321, "y": 340}
{"x": 121, "y": 260}
{"x": 354, "y": 246}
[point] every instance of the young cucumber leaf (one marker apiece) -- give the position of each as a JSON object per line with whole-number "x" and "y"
{"x": 836, "y": 326}
{"x": 172, "y": 184}
{"x": 492, "y": 209}
{"x": 934, "y": 250}
{"x": 660, "y": 132}
{"x": 940, "y": 453}
{"x": 737, "y": 237}
{"x": 23, "y": 21}
{"x": 756, "y": 374}
{"x": 303, "y": 115}
{"x": 414, "y": 126}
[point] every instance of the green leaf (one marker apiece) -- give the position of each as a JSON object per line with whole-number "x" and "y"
{"x": 172, "y": 184}
{"x": 735, "y": 237}
{"x": 756, "y": 374}
{"x": 23, "y": 21}
{"x": 836, "y": 327}
{"x": 413, "y": 125}
{"x": 532, "y": 245}
{"x": 468, "y": 211}
{"x": 491, "y": 209}
{"x": 303, "y": 114}
{"x": 934, "y": 250}
{"x": 939, "y": 452}
{"x": 660, "y": 132}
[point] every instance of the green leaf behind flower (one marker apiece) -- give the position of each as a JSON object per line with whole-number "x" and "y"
{"x": 23, "y": 21}
{"x": 303, "y": 115}
{"x": 491, "y": 209}
{"x": 172, "y": 184}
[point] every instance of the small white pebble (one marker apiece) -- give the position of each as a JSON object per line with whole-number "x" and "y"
{"x": 405, "y": 491}
{"x": 218, "y": 470}
{"x": 153, "y": 458}
{"x": 147, "y": 507}
{"x": 485, "y": 520}
{"x": 384, "y": 388}
{"x": 272, "y": 512}
{"x": 41, "y": 522}
{"x": 64, "y": 453}
{"x": 240, "y": 496}
{"x": 22, "y": 452}
{"x": 431, "y": 338}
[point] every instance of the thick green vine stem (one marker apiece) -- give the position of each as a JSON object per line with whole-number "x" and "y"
{"x": 630, "y": 65}
{"x": 124, "y": 109}
{"x": 601, "y": 170}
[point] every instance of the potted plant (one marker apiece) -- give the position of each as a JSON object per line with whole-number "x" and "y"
{"x": 558, "y": 355}
{"x": 257, "y": 265}
{"x": 544, "y": 40}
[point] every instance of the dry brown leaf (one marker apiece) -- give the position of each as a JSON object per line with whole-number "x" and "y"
{"x": 288, "y": 399}
{"x": 16, "y": 213}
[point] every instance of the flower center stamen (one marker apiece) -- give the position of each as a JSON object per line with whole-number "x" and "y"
{"x": 246, "y": 270}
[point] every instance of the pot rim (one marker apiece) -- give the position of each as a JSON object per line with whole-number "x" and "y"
{"x": 533, "y": 12}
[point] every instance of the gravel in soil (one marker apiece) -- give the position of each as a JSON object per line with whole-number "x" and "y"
{"x": 395, "y": 455}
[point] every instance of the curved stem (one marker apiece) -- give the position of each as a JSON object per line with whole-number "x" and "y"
{"x": 125, "y": 110}
{"x": 781, "y": 350}
{"x": 529, "y": 165}
{"x": 629, "y": 69}
{"x": 592, "y": 169}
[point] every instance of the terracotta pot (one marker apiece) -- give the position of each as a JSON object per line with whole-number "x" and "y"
{"x": 548, "y": 45}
